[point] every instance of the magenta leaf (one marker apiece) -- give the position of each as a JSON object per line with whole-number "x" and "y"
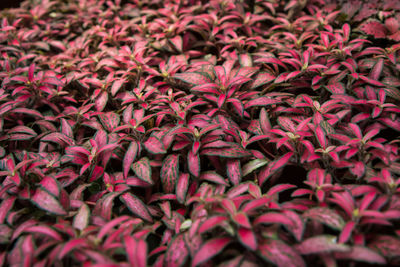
{"x": 193, "y": 78}
{"x": 210, "y": 249}
{"x": 170, "y": 173}
{"x": 326, "y": 216}
{"x": 101, "y": 101}
{"x": 109, "y": 120}
{"x": 242, "y": 220}
{"x": 374, "y": 28}
{"x": 193, "y": 160}
{"x": 363, "y": 254}
{"x": 58, "y": 138}
{"x": 136, "y": 250}
{"x": 213, "y": 177}
{"x": 130, "y": 156}
{"x": 212, "y": 222}
{"x": 321, "y": 244}
{"x": 261, "y": 79}
{"x": 297, "y": 226}
{"x": 117, "y": 86}
{"x": 376, "y": 70}
{"x": 46, "y": 201}
{"x": 177, "y": 252}
{"x": 247, "y": 238}
{"x": 104, "y": 206}
{"x": 287, "y": 124}
{"x": 136, "y": 206}
{"x": 280, "y": 254}
{"x": 142, "y": 169}
{"x": 72, "y": 245}
{"x": 234, "y": 171}
{"x": 154, "y": 145}
{"x": 45, "y": 230}
{"x": 336, "y": 88}
{"x": 321, "y": 136}
{"x": 51, "y": 185}
{"x": 182, "y": 187}
{"x": 81, "y": 219}
{"x": 386, "y": 245}
{"x": 273, "y": 217}
{"x": 282, "y": 161}
{"x": 261, "y": 101}
{"x": 5, "y": 206}
{"x": 229, "y": 152}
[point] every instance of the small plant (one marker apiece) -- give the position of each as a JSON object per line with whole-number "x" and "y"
{"x": 163, "y": 133}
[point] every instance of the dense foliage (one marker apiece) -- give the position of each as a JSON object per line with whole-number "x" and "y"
{"x": 200, "y": 133}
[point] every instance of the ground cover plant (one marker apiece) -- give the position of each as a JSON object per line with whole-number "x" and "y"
{"x": 200, "y": 133}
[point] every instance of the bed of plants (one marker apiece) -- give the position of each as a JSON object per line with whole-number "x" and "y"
{"x": 200, "y": 133}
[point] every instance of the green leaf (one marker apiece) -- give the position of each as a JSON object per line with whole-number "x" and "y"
{"x": 253, "y": 165}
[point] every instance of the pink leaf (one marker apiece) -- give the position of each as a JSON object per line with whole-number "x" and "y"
{"x": 241, "y": 219}
{"x": 177, "y": 252}
{"x": 154, "y": 145}
{"x": 170, "y": 173}
{"x": 177, "y": 43}
{"x": 336, "y": 88}
{"x": 27, "y": 111}
{"x": 48, "y": 202}
{"x": 136, "y": 206}
{"x": 261, "y": 101}
{"x": 109, "y": 120}
{"x": 194, "y": 78}
{"x": 297, "y": 226}
{"x": 104, "y": 205}
{"x": 358, "y": 169}
{"x": 31, "y": 72}
{"x": 247, "y": 238}
{"x": 374, "y": 28}
{"x": 273, "y": 217}
{"x": 210, "y": 249}
{"x": 142, "y": 169}
{"x": 279, "y": 253}
{"x": 182, "y": 187}
{"x": 81, "y": 219}
{"x": 282, "y": 161}
{"x": 287, "y": 124}
{"x": 326, "y": 216}
{"x": 229, "y": 152}
{"x": 276, "y": 189}
{"x": 377, "y": 70}
{"x": 346, "y": 232}
{"x": 136, "y": 251}
{"x": 130, "y": 156}
{"x": 45, "y": 230}
{"x": 364, "y": 254}
{"x": 213, "y": 177}
{"x": 5, "y": 207}
{"x": 71, "y": 245}
{"x": 101, "y": 101}
{"x": 234, "y": 171}
{"x": 50, "y": 185}
{"x": 117, "y": 86}
{"x": 107, "y": 228}
{"x": 387, "y": 246}
{"x": 321, "y": 137}
{"x": 321, "y": 244}
{"x": 211, "y": 223}
{"x": 193, "y": 160}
